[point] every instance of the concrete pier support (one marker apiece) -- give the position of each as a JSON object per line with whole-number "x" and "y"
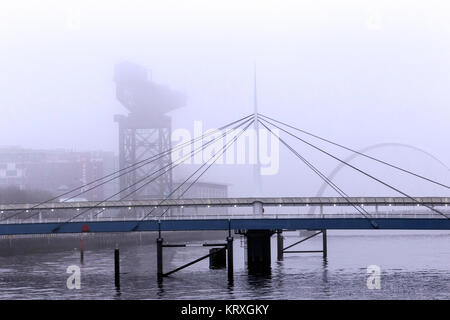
{"x": 280, "y": 245}
{"x": 258, "y": 250}
{"x": 324, "y": 243}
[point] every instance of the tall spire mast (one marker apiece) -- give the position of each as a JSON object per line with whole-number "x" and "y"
{"x": 257, "y": 167}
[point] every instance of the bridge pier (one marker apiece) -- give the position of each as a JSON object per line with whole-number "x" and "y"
{"x": 280, "y": 245}
{"x": 258, "y": 250}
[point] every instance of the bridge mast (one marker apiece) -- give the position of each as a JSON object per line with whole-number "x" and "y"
{"x": 257, "y": 166}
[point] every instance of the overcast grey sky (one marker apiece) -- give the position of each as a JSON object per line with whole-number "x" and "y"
{"x": 359, "y": 72}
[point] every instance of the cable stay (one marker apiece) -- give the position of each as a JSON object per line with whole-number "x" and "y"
{"x": 358, "y": 208}
{"x": 215, "y": 157}
{"x": 359, "y": 170}
{"x": 201, "y": 174}
{"x": 171, "y": 165}
{"x": 360, "y": 153}
{"x": 133, "y": 167}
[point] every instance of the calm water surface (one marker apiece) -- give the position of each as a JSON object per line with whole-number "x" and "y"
{"x": 414, "y": 265}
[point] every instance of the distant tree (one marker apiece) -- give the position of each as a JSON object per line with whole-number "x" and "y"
{"x": 13, "y": 194}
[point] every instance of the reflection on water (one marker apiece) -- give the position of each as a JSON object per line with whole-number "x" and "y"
{"x": 414, "y": 265}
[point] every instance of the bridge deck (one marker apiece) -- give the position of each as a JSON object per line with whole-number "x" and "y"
{"x": 241, "y": 202}
{"x": 235, "y": 223}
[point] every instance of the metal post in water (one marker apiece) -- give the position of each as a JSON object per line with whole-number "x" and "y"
{"x": 280, "y": 245}
{"x": 117, "y": 268}
{"x": 159, "y": 257}
{"x": 159, "y": 253}
{"x": 324, "y": 243}
{"x": 82, "y": 250}
{"x": 230, "y": 258}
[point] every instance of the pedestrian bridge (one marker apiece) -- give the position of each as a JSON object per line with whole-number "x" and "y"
{"x": 248, "y": 222}
{"x": 233, "y": 202}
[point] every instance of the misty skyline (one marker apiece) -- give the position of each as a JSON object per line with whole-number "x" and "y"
{"x": 364, "y": 73}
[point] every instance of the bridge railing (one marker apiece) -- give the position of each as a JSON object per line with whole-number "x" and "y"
{"x": 387, "y": 214}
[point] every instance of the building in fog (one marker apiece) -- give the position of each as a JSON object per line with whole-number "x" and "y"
{"x": 56, "y": 171}
{"x": 201, "y": 190}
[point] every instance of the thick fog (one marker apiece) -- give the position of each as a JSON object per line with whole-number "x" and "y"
{"x": 357, "y": 72}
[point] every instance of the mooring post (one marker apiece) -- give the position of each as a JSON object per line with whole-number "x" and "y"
{"x": 159, "y": 253}
{"x": 324, "y": 245}
{"x": 81, "y": 249}
{"x": 230, "y": 258}
{"x": 230, "y": 253}
{"x": 280, "y": 245}
{"x": 117, "y": 268}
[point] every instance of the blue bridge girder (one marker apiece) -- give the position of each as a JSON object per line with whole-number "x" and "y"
{"x": 318, "y": 223}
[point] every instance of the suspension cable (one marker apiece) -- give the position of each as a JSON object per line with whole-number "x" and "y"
{"x": 201, "y": 174}
{"x": 360, "y": 153}
{"x": 171, "y": 168}
{"x": 139, "y": 164}
{"x": 359, "y": 170}
{"x": 224, "y": 148}
{"x": 358, "y": 208}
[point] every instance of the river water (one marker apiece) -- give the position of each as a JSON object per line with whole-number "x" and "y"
{"x": 413, "y": 264}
